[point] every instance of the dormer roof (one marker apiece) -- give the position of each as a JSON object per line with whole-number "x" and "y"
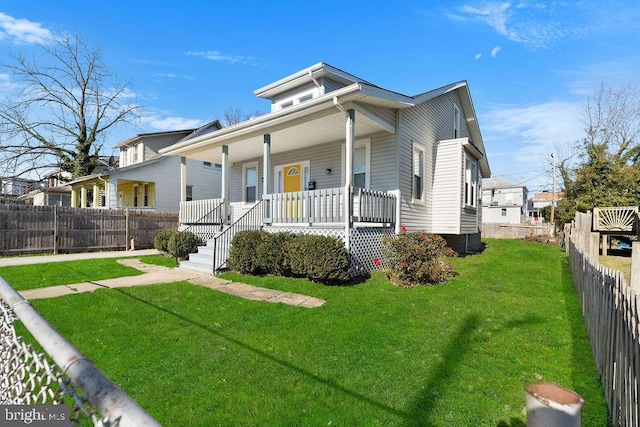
{"x": 307, "y": 76}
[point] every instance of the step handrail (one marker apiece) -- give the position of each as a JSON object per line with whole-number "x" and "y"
{"x": 250, "y": 220}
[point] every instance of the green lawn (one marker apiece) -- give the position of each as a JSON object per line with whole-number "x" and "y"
{"x": 33, "y": 276}
{"x": 457, "y": 354}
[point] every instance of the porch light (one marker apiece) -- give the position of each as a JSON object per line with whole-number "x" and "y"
{"x": 328, "y": 171}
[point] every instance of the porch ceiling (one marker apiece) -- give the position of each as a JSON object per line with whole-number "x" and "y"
{"x": 318, "y": 128}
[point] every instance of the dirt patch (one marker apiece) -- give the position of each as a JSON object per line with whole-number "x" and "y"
{"x": 542, "y": 238}
{"x": 550, "y": 392}
{"x": 141, "y": 266}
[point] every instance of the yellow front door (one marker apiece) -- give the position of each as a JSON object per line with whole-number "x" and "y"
{"x": 291, "y": 178}
{"x": 290, "y": 184}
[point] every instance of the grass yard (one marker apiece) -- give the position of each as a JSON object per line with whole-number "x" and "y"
{"x": 457, "y": 354}
{"x": 620, "y": 263}
{"x": 33, "y": 276}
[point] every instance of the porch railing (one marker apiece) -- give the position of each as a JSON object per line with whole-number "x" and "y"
{"x": 327, "y": 206}
{"x": 373, "y": 206}
{"x": 209, "y": 211}
{"x": 251, "y": 220}
{"x": 304, "y": 206}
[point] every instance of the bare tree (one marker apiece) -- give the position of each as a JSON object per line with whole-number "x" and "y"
{"x": 58, "y": 108}
{"x": 234, "y": 115}
{"x": 612, "y": 119}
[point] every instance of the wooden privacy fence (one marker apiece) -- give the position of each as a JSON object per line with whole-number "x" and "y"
{"x": 38, "y": 229}
{"x": 610, "y": 310}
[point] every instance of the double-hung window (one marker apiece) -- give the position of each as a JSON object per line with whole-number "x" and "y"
{"x": 250, "y": 182}
{"x": 470, "y": 182}
{"x": 360, "y": 167}
{"x": 418, "y": 173}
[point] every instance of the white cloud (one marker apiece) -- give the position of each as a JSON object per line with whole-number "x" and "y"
{"x": 170, "y": 123}
{"x": 477, "y": 56}
{"x": 494, "y": 51}
{"x": 215, "y": 55}
{"x": 542, "y": 23}
{"x": 520, "y": 138}
{"x": 23, "y": 31}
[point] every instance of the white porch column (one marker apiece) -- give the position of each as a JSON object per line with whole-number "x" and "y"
{"x": 225, "y": 173}
{"x": 224, "y": 191}
{"x": 74, "y": 198}
{"x": 83, "y": 197}
{"x": 96, "y": 196}
{"x": 348, "y": 172}
{"x": 266, "y": 167}
{"x": 183, "y": 179}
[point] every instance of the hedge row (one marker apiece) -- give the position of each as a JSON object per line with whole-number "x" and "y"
{"x": 318, "y": 258}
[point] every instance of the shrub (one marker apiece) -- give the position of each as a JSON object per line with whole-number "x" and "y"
{"x": 182, "y": 243}
{"x": 244, "y": 253}
{"x": 318, "y": 258}
{"x": 272, "y": 253}
{"x": 417, "y": 257}
{"x": 161, "y": 240}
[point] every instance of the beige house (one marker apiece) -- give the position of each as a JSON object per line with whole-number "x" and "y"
{"x": 147, "y": 180}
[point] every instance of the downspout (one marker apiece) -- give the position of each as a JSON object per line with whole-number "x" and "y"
{"x": 348, "y": 173}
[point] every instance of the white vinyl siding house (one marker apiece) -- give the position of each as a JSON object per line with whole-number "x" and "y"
{"x": 504, "y": 201}
{"x": 415, "y": 153}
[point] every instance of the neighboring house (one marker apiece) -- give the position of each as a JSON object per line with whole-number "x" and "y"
{"x": 340, "y": 156}
{"x": 539, "y": 201}
{"x": 16, "y": 190}
{"x": 504, "y": 201}
{"x": 147, "y": 180}
{"x": 57, "y": 192}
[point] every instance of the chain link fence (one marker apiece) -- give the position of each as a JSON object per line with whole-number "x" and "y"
{"x": 60, "y": 375}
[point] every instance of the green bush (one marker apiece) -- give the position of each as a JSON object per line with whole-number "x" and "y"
{"x": 417, "y": 257}
{"x": 244, "y": 252}
{"x": 271, "y": 254}
{"x": 183, "y": 243}
{"x": 161, "y": 240}
{"x": 318, "y": 258}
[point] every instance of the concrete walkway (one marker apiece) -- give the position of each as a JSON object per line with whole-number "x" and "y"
{"x": 42, "y": 259}
{"x": 154, "y": 274}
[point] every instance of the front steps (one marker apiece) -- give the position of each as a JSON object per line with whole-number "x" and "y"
{"x": 202, "y": 261}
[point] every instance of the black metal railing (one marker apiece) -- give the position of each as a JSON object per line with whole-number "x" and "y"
{"x": 251, "y": 220}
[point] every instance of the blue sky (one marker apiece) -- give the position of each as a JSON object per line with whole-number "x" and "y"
{"x": 529, "y": 64}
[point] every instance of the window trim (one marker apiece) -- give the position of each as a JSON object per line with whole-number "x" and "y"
{"x": 366, "y": 143}
{"x": 420, "y": 149}
{"x": 470, "y": 198}
{"x": 456, "y": 121}
{"x": 245, "y": 166}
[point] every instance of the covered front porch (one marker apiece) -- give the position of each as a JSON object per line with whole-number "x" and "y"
{"x": 325, "y": 207}
{"x": 325, "y": 144}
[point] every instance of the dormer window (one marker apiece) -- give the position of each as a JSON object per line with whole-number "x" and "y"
{"x": 286, "y": 104}
{"x": 305, "y": 98}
